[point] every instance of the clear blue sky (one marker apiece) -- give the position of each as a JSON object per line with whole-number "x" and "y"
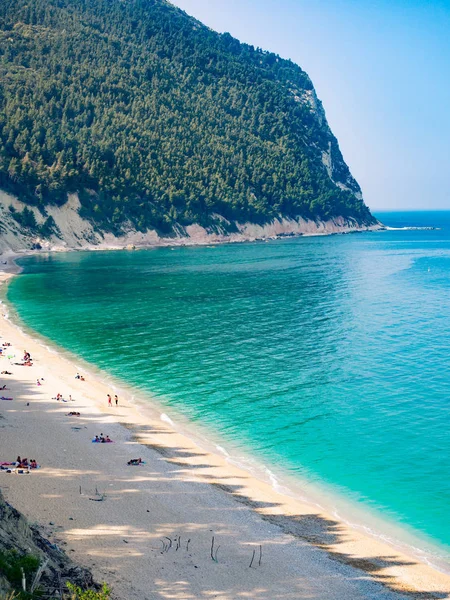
{"x": 382, "y": 70}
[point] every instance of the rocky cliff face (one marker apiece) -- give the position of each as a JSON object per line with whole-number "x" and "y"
{"x": 332, "y": 159}
{"x": 18, "y": 535}
{"x": 72, "y": 232}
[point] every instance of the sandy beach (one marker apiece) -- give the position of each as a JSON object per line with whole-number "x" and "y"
{"x": 184, "y": 525}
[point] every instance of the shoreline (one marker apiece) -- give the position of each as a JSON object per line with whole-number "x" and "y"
{"x": 343, "y": 547}
{"x": 10, "y": 266}
{"x": 320, "y": 497}
{"x": 78, "y": 234}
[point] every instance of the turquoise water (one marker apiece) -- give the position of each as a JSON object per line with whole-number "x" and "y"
{"x": 326, "y": 358}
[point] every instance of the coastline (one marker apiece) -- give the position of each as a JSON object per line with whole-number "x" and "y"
{"x": 174, "y": 461}
{"x": 76, "y": 233}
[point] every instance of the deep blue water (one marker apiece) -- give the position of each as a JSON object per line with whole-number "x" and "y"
{"x": 326, "y": 358}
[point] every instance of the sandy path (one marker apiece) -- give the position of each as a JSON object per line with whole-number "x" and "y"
{"x": 182, "y": 493}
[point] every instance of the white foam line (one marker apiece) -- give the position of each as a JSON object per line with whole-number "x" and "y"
{"x": 413, "y": 228}
{"x": 167, "y": 419}
{"x": 419, "y": 553}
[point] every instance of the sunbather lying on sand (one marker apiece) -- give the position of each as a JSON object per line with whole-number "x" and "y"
{"x": 4, "y": 387}
{"x": 74, "y": 414}
{"x": 6, "y": 373}
{"x": 135, "y": 461}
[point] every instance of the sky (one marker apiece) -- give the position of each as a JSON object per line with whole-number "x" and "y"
{"x": 382, "y": 71}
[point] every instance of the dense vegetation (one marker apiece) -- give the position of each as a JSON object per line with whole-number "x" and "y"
{"x": 21, "y": 570}
{"x": 155, "y": 119}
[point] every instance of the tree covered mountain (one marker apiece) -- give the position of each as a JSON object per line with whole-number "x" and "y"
{"x": 155, "y": 119}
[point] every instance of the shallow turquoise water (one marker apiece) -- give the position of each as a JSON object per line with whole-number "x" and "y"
{"x": 327, "y": 358}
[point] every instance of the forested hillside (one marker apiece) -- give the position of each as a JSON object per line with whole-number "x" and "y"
{"x": 154, "y": 119}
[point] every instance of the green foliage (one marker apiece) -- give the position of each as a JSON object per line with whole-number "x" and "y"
{"x": 27, "y": 219}
{"x": 11, "y": 566}
{"x": 156, "y": 119}
{"x": 48, "y": 227}
{"x": 76, "y": 593}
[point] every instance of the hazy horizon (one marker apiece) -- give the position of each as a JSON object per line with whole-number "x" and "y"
{"x": 380, "y": 70}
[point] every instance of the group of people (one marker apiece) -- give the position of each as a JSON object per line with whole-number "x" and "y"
{"x": 80, "y": 377}
{"x": 59, "y": 398}
{"x": 27, "y": 361}
{"x": 25, "y": 463}
{"x": 116, "y": 400}
{"x": 101, "y": 439}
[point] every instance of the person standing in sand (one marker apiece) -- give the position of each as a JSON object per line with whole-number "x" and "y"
{"x": 109, "y": 400}
{"x": 116, "y": 400}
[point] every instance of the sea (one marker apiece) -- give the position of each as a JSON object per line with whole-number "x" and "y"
{"x": 321, "y": 364}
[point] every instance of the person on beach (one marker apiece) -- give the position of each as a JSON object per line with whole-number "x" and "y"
{"x": 27, "y": 363}
{"x": 109, "y": 400}
{"x": 116, "y": 400}
{"x": 134, "y": 461}
{"x": 77, "y": 376}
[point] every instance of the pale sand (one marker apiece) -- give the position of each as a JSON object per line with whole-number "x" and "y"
{"x": 182, "y": 490}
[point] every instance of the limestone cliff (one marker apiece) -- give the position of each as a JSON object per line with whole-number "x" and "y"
{"x": 73, "y": 232}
